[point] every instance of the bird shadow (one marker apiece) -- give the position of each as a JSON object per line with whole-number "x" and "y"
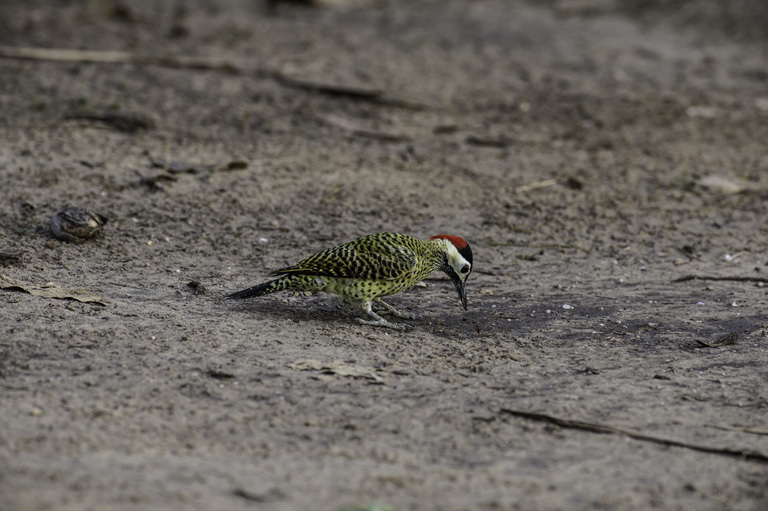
{"x": 319, "y": 309}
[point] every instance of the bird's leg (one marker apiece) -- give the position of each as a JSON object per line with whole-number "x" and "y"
{"x": 395, "y": 312}
{"x": 379, "y": 321}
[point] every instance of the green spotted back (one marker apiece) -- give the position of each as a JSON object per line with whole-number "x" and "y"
{"x": 382, "y": 256}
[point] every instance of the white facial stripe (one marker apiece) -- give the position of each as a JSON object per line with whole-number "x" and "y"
{"x": 457, "y": 261}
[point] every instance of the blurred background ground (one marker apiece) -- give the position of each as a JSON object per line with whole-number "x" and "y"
{"x": 593, "y": 152}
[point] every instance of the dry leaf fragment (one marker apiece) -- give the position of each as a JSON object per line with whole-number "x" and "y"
{"x": 536, "y": 185}
{"x": 232, "y": 165}
{"x": 337, "y": 367}
{"x": 722, "y": 185}
{"x": 77, "y": 224}
{"x": 723, "y": 340}
{"x": 50, "y": 291}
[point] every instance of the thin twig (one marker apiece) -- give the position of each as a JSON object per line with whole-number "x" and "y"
{"x": 711, "y": 277}
{"x": 354, "y": 92}
{"x": 488, "y": 142}
{"x": 752, "y": 431}
{"x": 352, "y": 127}
{"x": 363, "y": 94}
{"x": 746, "y": 454}
{"x": 12, "y": 387}
{"x": 536, "y": 186}
{"x": 114, "y": 57}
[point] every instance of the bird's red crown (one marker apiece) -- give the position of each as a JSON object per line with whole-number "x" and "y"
{"x": 459, "y": 243}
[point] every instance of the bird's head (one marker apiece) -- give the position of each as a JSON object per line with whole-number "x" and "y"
{"x": 457, "y": 262}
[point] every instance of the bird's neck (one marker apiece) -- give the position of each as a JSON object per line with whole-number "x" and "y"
{"x": 437, "y": 250}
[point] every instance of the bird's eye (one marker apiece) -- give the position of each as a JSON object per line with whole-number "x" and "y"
{"x": 464, "y": 269}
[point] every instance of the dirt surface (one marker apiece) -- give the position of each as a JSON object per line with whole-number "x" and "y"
{"x": 591, "y": 155}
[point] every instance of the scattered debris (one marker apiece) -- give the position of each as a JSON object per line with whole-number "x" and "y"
{"x": 723, "y": 340}
{"x": 10, "y": 258}
{"x": 722, "y": 185}
{"x": 50, "y": 291}
{"x": 337, "y": 367}
{"x": 499, "y": 142}
{"x": 232, "y": 165}
{"x": 703, "y": 112}
{"x": 179, "y": 27}
{"x": 353, "y": 92}
{"x": 327, "y": 4}
{"x": 197, "y": 287}
{"x": 177, "y": 167}
{"x": 536, "y": 186}
{"x": 352, "y": 127}
{"x": 125, "y": 122}
{"x": 584, "y": 7}
{"x": 113, "y": 57}
{"x": 157, "y": 182}
{"x": 271, "y": 4}
{"x": 445, "y": 129}
{"x": 219, "y": 375}
{"x": 709, "y": 277}
{"x": 573, "y": 183}
{"x": 76, "y": 225}
{"x": 270, "y": 496}
{"x": 173, "y": 169}
{"x": 348, "y": 91}
{"x": 181, "y": 167}
{"x": 752, "y": 431}
{"x": 373, "y": 506}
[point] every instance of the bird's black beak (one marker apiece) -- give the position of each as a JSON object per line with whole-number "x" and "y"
{"x": 459, "y": 287}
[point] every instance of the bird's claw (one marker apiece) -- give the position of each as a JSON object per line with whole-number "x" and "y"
{"x": 388, "y": 309}
{"x": 402, "y": 327}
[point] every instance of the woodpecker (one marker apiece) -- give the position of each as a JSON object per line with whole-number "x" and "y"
{"x": 364, "y": 270}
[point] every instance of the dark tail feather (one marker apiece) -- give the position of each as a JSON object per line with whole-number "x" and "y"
{"x": 261, "y": 289}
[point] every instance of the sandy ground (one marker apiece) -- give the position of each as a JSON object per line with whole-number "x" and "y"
{"x": 592, "y": 154}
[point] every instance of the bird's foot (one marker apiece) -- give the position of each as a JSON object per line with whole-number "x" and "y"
{"x": 388, "y": 309}
{"x": 379, "y": 321}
